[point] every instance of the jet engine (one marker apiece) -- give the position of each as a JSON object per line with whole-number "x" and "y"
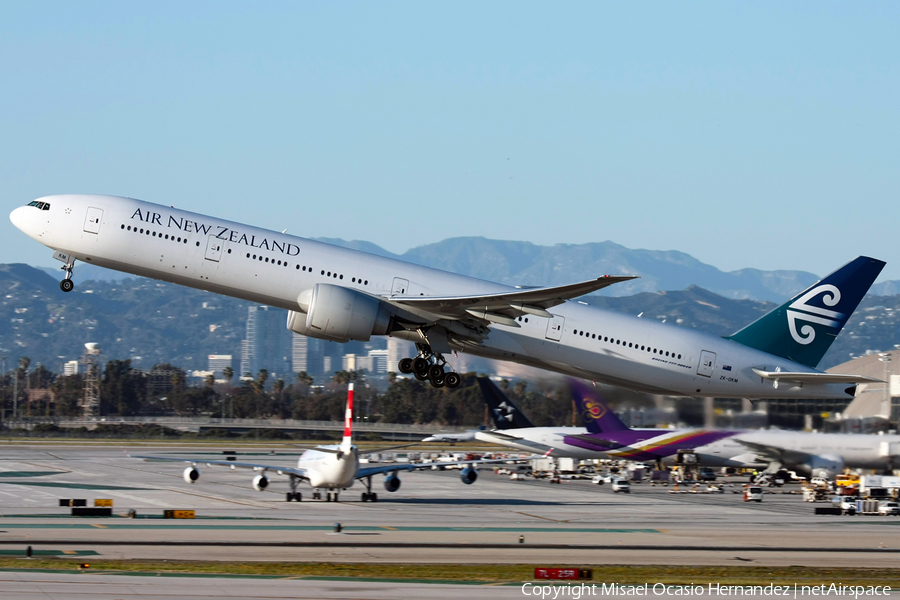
{"x": 392, "y": 482}
{"x": 260, "y": 482}
{"x": 469, "y": 475}
{"x": 826, "y": 466}
{"x": 339, "y": 314}
{"x": 191, "y": 475}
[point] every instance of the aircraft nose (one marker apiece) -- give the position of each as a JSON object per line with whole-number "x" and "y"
{"x": 17, "y": 216}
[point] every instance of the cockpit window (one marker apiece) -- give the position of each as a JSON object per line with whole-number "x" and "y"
{"x": 40, "y": 205}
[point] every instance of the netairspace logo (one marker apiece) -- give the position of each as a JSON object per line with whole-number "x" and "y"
{"x": 587, "y": 590}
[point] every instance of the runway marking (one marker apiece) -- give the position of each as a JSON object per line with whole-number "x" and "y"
{"x": 538, "y": 517}
{"x": 129, "y": 524}
{"x": 76, "y": 486}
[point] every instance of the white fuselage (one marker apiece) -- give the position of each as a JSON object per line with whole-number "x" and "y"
{"x": 330, "y": 471}
{"x": 273, "y": 268}
{"x": 852, "y": 450}
{"x": 540, "y": 440}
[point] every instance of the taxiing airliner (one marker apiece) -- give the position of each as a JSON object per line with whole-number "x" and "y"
{"x": 331, "y": 468}
{"x": 338, "y": 294}
{"x": 809, "y": 454}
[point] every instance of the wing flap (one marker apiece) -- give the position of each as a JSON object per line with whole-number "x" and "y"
{"x": 804, "y": 377}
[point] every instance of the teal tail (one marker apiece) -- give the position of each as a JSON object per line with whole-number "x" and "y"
{"x": 803, "y": 328}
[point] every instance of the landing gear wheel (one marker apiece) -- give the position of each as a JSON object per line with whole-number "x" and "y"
{"x": 420, "y": 365}
{"x": 435, "y": 372}
{"x": 294, "y": 496}
{"x": 420, "y": 376}
{"x": 452, "y": 380}
{"x": 437, "y": 383}
{"x": 374, "y": 496}
{"x": 406, "y": 366}
{"x": 67, "y": 285}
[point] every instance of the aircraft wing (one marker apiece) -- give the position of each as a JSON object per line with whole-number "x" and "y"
{"x": 598, "y": 442}
{"x": 502, "y": 307}
{"x": 772, "y": 453}
{"x": 803, "y": 377}
{"x": 502, "y": 435}
{"x": 229, "y": 463}
{"x": 419, "y": 466}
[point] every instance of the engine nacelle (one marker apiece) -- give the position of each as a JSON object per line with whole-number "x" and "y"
{"x": 392, "y": 482}
{"x": 339, "y": 314}
{"x": 826, "y": 466}
{"x": 468, "y": 475}
{"x": 191, "y": 475}
{"x": 260, "y": 482}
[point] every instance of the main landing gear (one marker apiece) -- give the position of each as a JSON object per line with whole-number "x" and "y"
{"x": 329, "y": 496}
{"x": 369, "y": 495}
{"x": 294, "y": 495}
{"x": 431, "y": 366}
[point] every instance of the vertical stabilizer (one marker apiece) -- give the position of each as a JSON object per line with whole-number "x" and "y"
{"x": 504, "y": 413}
{"x": 347, "y": 441}
{"x": 803, "y": 328}
{"x": 595, "y": 413}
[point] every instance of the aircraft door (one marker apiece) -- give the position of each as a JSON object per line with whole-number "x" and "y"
{"x": 555, "y": 328}
{"x": 214, "y": 248}
{"x": 707, "y": 363}
{"x": 93, "y": 219}
{"x": 400, "y": 287}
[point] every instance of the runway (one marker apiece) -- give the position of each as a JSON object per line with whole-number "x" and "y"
{"x": 433, "y": 518}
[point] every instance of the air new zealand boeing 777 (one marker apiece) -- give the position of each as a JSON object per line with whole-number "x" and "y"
{"x": 339, "y": 294}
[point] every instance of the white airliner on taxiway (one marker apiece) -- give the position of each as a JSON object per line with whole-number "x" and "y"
{"x": 337, "y": 294}
{"x": 331, "y": 468}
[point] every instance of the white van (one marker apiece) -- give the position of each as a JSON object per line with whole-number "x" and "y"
{"x": 753, "y": 493}
{"x": 621, "y": 485}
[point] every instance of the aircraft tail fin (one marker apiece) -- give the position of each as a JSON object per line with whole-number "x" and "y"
{"x": 803, "y": 328}
{"x": 595, "y": 413}
{"x": 504, "y": 413}
{"x": 347, "y": 440}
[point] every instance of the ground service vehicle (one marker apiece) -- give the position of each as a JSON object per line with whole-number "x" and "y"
{"x": 753, "y": 493}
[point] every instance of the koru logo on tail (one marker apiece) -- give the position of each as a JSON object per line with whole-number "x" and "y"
{"x": 802, "y": 311}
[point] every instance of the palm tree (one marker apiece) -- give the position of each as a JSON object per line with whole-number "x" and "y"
{"x": 210, "y": 380}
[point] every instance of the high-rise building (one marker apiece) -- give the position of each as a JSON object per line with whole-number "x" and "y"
{"x": 379, "y": 363}
{"x": 70, "y": 368}
{"x": 300, "y": 353}
{"x": 267, "y": 343}
{"x": 397, "y": 349}
{"x": 218, "y": 363}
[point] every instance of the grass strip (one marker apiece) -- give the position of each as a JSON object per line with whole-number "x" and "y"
{"x": 622, "y": 574}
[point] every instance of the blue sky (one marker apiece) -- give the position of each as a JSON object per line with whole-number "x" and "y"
{"x": 745, "y": 134}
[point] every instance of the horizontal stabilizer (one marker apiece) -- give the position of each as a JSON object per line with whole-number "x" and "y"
{"x": 822, "y": 378}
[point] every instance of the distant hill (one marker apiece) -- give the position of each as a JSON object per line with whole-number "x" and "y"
{"x": 523, "y": 263}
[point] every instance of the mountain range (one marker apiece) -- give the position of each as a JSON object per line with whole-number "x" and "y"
{"x": 526, "y": 264}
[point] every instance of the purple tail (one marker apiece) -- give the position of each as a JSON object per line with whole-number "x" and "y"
{"x": 597, "y": 416}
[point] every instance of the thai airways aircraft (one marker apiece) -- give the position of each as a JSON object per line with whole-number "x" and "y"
{"x": 606, "y": 436}
{"x": 331, "y": 468}
{"x": 811, "y": 454}
{"x": 338, "y": 294}
{"x": 514, "y": 430}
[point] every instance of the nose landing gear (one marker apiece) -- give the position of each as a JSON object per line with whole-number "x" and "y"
{"x": 429, "y": 366}
{"x": 67, "y": 285}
